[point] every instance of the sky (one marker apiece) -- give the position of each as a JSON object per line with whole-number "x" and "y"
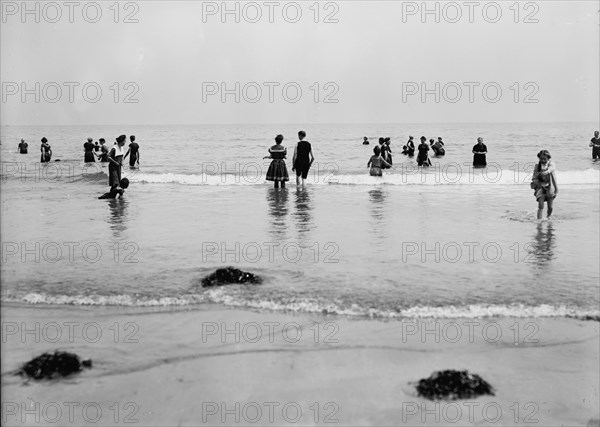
{"x": 197, "y": 62}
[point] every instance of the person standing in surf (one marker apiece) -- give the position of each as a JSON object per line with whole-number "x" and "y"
{"x": 277, "y": 171}
{"x": 134, "y": 149}
{"x": 115, "y": 157}
{"x": 479, "y": 154}
{"x": 376, "y": 162}
{"x": 543, "y": 182}
{"x": 423, "y": 156}
{"x": 303, "y": 158}
{"x": 103, "y": 156}
{"x": 410, "y": 147}
{"x": 88, "y": 148}
{"x": 388, "y": 151}
{"x": 23, "y": 147}
{"x": 46, "y": 151}
{"x": 438, "y": 147}
{"x": 595, "y": 144}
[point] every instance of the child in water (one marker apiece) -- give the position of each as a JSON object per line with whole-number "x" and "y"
{"x": 376, "y": 162}
{"x": 544, "y": 182}
{"x": 116, "y": 190}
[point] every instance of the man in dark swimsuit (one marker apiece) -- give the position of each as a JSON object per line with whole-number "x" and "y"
{"x": 23, "y": 147}
{"x": 303, "y": 158}
{"x": 89, "y": 151}
{"x": 134, "y": 150}
{"x": 595, "y": 144}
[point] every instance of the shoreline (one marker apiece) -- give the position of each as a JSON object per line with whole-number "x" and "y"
{"x": 219, "y": 365}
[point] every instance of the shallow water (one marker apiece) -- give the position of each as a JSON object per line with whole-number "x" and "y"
{"x": 444, "y": 242}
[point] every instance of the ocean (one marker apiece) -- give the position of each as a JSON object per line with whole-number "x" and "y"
{"x": 444, "y": 242}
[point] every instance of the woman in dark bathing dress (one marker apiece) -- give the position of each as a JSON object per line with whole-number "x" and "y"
{"x": 46, "y": 151}
{"x": 479, "y": 152}
{"x": 277, "y": 171}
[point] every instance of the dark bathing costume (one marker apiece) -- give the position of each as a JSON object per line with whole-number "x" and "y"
{"x": 133, "y": 153}
{"x": 23, "y": 147}
{"x": 479, "y": 159}
{"x": 89, "y": 152}
{"x": 302, "y": 159}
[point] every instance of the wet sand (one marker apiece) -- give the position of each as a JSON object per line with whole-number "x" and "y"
{"x": 218, "y": 366}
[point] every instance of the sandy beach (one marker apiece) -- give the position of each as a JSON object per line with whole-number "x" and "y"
{"x": 218, "y": 366}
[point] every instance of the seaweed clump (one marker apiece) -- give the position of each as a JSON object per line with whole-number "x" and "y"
{"x": 230, "y": 275}
{"x": 53, "y": 365}
{"x": 452, "y": 385}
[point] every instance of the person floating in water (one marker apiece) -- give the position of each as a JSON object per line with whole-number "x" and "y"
{"x": 103, "y": 156}
{"x": 423, "y": 156}
{"x": 303, "y": 158}
{"x": 277, "y": 171}
{"x": 88, "y": 146}
{"x": 544, "y": 182}
{"x": 46, "y": 151}
{"x": 366, "y": 141}
{"x": 479, "y": 153}
{"x": 115, "y": 157}
{"x": 23, "y": 147}
{"x": 134, "y": 149}
{"x": 409, "y": 148}
{"x": 116, "y": 190}
{"x": 595, "y": 144}
{"x": 438, "y": 147}
{"x": 376, "y": 162}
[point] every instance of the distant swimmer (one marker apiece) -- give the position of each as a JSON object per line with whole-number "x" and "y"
{"x": 277, "y": 171}
{"x": 134, "y": 150}
{"x": 376, "y": 162}
{"x": 423, "y": 156}
{"x": 479, "y": 153}
{"x": 595, "y": 144}
{"x": 46, "y": 151}
{"x": 303, "y": 158}
{"x": 23, "y": 147}
{"x": 438, "y": 147}
{"x": 116, "y": 190}
{"x": 366, "y": 141}
{"x": 544, "y": 182}
{"x": 103, "y": 156}
{"x": 88, "y": 148}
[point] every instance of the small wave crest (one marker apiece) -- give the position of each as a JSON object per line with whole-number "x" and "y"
{"x": 308, "y": 305}
{"x": 450, "y": 175}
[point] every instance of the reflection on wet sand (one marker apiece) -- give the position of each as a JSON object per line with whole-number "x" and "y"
{"x": 303, "y": 216}
{"x": 277, "y": 199}
{"x": 543, "y": 246}
{"x": 118, "y": 216}
{"x": 377, "y": 198}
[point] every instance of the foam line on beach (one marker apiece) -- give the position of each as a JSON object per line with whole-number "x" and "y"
{"x": 219, "y": 296}
{"x": 425, "y": 177}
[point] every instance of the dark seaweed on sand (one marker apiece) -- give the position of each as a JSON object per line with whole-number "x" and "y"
{"x": 53, "y": 365}
{"x": 451, "y": 384}
{"x": 229, "y": 275}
